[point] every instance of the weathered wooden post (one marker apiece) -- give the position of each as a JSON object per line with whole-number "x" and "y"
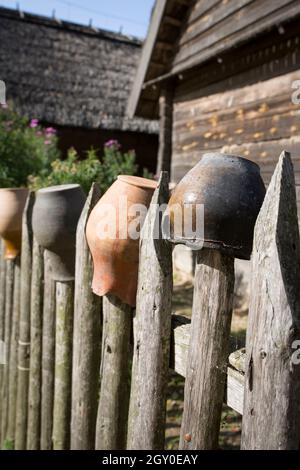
{"x": 112, "y": 236}
{"x": 63, "y": 364}
{"x": 35, "y": 374}
{"x": 271, "y": 418}
{"x": 55, "y": 217}
{"x": 2, "y": 293}
{"x": 152, "y": 329}
{"x": 2, "y": 323}
{"x": 9, "y": 289}
{"x": 12, "y": 203}
{"x": 208, "y": 350}
{"x": 48, "y": 356}
{"x": 111, "y": 428}
{"x": 24, "y": 333}
{"x": 13, "y": 355}
{"x": 213, "y": 208}
{"x": 86, "y": 338}
{"x": 165, "y": 128}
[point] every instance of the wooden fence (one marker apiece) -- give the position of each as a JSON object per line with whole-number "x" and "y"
{"x": 76, "y": 377}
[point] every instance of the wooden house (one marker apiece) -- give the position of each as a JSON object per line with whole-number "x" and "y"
{"x": 221, "y": 75}
{"x": 74, "y": 78}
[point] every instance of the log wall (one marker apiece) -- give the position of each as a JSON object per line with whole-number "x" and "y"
{"x": 250, "y": 113}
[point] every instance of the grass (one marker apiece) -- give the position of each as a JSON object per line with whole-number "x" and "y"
{"x": 230, "y": 428}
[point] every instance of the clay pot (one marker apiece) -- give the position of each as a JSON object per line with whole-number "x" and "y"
{"x": 232, "y": 191}
{"x": 116, "y": 254}
{"x": 12, "y": 203}
{"x": 54, "y": 221}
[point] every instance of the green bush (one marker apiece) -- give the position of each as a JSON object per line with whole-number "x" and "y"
{"x": 89, "y": 170}
{"x": 25, "y": 148}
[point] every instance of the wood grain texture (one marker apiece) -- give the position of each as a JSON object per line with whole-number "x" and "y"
{"x": 241, "y": 25}
{"x": 13, "y": 355}
{"x": 36, "y": 325}
{"x": 152, "y": 327}
{"x": 165, "y": 129}
{"x": 111, "y": 428}
{"x": 63, "y": 365}
{"x": 147, "y": 53}
{"x": 9, "y": 290}
{"x": 87, "y": 339}
{"x": 256, "y": 121}
{"x": 24, "y": 334}
{"x": 48, "y": 357}
{"x": 208, "y": 350}
{"x": 2, "y": 291}
{"x": 272, "y": 386}
{"x": 2, "y": 322}
{"x": 180, "y": 339}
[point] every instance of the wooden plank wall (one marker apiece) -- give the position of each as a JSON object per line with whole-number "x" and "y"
{"x": 256, "y": 121}
{"x": 213, "y": 26}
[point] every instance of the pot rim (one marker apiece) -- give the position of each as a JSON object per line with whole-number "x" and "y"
{"x": 138, "y": 181}
{"x": 228, "y": 155}
{"x": 58, "y": 188}
{"x": 15, "y": 190}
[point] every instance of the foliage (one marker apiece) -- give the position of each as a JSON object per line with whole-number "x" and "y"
{"x": 25, "y": 148}
{"x": 29, "y": 155}
{"x": 89, "y": 170}
{"x": 8, "y": 445}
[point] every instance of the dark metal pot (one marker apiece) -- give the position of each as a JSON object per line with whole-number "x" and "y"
{"x": 232, "y": 192}
{"x": 54, "y": 221}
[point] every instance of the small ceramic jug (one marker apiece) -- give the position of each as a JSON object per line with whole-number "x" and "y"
{"x": 115, "y": 252}
{"x": 54, "y": 221}
{"x": 12, "y": 203}
{"x": 231, "y": 191}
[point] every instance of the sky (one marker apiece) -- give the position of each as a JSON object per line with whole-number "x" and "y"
{"x": 128, "y": 16}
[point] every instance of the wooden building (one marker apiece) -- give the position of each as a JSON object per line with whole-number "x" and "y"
{"x": 220, "y": 75}
{"x": 75, "y": 78}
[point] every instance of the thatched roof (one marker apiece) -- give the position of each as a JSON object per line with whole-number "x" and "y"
{"x": 69, "y": 75}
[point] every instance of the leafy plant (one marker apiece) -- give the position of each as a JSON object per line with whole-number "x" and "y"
{"x": 72, "y": 170}
{"x": 85, "y": 172}
{"x": 25, "y": 148}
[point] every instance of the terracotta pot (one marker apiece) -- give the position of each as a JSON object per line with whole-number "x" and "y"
{"x": 116, "y": 254}
{"x": 232, "y": 191}
{"x": 12, "y": 203}
{"x": 54, "y": 221}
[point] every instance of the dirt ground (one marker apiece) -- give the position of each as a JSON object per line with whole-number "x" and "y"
{"x": 230, "y": 429}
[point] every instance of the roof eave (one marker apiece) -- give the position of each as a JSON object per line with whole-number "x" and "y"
{"x": 147, "y": 50}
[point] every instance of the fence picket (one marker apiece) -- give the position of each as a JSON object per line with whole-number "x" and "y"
{"x": 2, "y": 323}
{"x": 87, "y": 340}
{"x": 35, "y": 374}
{"x": 208, "y": 350}
{"x": 63, "y": 365}
{"x": 272, "y": 379}
{"x": 152, "y": 330}
{"x": 9, "y": 290}
{"x": 13, "y": 355}
{"x": 24, "y": 334}
{"x": 111, "y": 428}
{"x": 48, "y": 356}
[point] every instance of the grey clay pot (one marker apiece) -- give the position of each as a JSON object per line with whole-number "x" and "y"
{"x": 232, "y": 191}
{"x": 55, "y": 217}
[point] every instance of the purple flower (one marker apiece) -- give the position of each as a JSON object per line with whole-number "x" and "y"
{"x": 34, "y": 123}
{"x": 47, "y": 142}
{"x": 49, "y": 131}
{"x": 112, "y": 143}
